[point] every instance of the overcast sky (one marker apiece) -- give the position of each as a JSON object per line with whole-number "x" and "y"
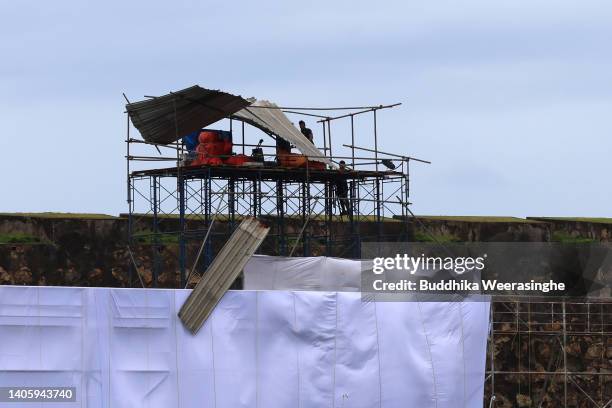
{"x": 510, "y": 100}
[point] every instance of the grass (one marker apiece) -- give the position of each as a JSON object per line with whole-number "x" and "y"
{"x": 420, "y": 236}
{"x": 468, "y": 218}
{"x": 596, "y": 220}
{"x": 566, "y": 238}
{"x": 57, "y": 215}
{"x": 19, "y": 238}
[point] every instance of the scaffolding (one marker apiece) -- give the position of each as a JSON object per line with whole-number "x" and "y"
{"x": 549, "y": 353}
{"x": 198, "y": 207}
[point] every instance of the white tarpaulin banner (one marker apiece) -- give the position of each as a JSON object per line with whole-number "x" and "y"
{"x": 318, "y": 273}
{"x": 268, "y": 117}
{"x": 127, "y": 348}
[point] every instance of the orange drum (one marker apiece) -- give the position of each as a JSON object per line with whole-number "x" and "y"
{"x": 238, "y": 160}
{"x": 292, "y": 160}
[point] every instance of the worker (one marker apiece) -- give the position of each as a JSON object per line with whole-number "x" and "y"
{"x": 283, "y": 149}
{"x": 282, "y": 146}
{"x": 342, "y": 190}
{"x": 306, "y": 131}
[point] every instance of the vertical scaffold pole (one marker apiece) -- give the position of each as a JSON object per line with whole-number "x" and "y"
{"x": 352, "y": 198}
{"x": 406, "y": 200}
{"x": 242, "y": 137}
{"x": 129, "y": 196}
{"x": 564, "y": 355}
{"x": 280, "y": 215}
{"x": 378, "y": 210}
{"x": 353, "y": 227}
{"x": 375, "y": 141}
{"x": 208, "y": 197}
{"x": 255, "y": 201}
{"x": 329, "y": 210}
{"x": 492, "y": 354}
{"x": 156, "y": 247}
{"x": 306, "y": 213}
{"x": 324, "y": 139}
{"x": 352, "y": 143}
{"x": 377, "y": 187}
{"x": 182, "y": 246}
{"x": 231, "y": 201}
{"x": 181, "y": 201}
{"x": 331, "y": 154}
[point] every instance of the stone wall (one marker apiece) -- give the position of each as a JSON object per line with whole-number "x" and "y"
{"x": 93, "y": 252}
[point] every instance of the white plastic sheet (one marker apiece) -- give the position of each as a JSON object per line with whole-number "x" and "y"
{"x": 318, "y": 273}
{"x": 126, "y": 348}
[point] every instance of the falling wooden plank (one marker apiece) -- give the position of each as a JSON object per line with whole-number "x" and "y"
{"x": 223, "y": 271}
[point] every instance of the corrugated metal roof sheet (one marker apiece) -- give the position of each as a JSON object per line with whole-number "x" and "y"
{"x": 220, "y": 275}
{"x": 193, "y": 108}
{"x": 274, "y": 121}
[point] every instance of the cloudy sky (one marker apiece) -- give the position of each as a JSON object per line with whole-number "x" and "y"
{"x": 510, "y": 100}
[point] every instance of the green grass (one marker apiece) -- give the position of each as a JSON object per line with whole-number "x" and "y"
{"x": 18, "y": 238}
{"x": 420, "y": 236}
{"x": 57, "y": 215}
{"x": 596, "y": 220}
{"x": 566, "y": 238}
{"x": 469, "y": 218}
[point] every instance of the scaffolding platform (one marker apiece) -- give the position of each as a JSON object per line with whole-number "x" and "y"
{"x": 266, "y": 173}
{"x": 313, "y": 210}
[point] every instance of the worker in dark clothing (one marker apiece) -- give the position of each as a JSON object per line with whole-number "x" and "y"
{"x": 306, "y": 131}
{"x": 282, "y": 146}
{"x": 342, "y": 190}
{"x": 283, "y": 150}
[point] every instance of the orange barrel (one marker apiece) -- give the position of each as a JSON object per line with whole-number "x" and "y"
{"x": 292, "y": 160}
{"x": 237, "y": 160}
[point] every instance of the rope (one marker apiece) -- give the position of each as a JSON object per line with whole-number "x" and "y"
{"x": 303, "y": 228}
{"x": 300, "y": 235}
{"x": 135, "y": 266}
